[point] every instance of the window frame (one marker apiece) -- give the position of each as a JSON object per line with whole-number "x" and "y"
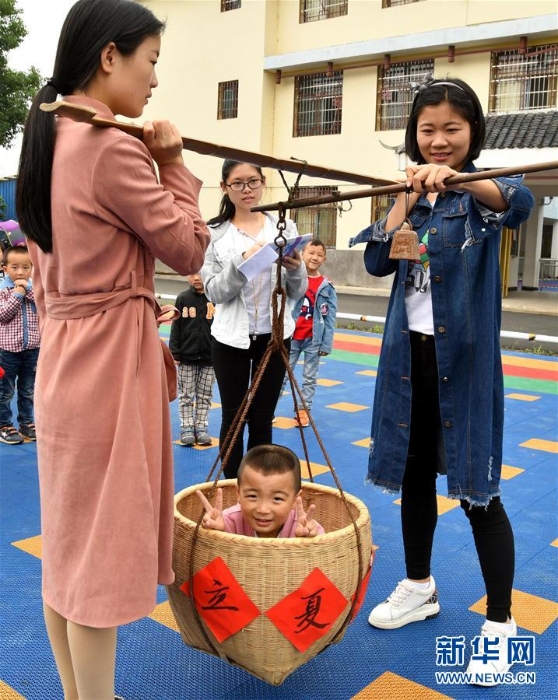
{"x": 322, "y": 96}
{"x": 228, "y": 5}
{"x": 535, "y": 90}
{"x": 318, "y": 10}
{"x": 225, "y": 110}
{"x": 412, "y": 72}
{"x": 323, "y": 217}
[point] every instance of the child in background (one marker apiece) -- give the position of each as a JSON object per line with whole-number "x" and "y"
{"x": 19, "y": 345}
{"x": 269, "y": 498}
{"x": 190, "y": 345}
{"x": 314, "y": 315}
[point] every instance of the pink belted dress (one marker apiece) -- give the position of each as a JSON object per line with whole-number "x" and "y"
{"x": 101, "y": 395}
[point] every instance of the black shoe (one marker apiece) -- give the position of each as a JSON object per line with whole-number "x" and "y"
{"x": 10, "y": 436}
{"x": 27, "y": 431}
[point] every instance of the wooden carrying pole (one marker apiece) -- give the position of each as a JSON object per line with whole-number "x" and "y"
{"x": 401, "y": 187}
{"x": 82, "y": 113}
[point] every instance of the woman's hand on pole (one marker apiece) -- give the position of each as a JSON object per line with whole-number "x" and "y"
{"x": 164, "y": 142}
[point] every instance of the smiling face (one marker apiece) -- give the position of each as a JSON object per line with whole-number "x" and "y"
{"x": 245, "y": 198}
{"x": 314, "y": 257}
{"x": 443, "y": 136}
{"x": 266, "y": 500}
{"x": 133, "y": 78}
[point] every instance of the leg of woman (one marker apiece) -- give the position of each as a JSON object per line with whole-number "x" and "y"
{"x": 419, "y": 508}
{"x": 495, "y": 546}
{"x": 265, "y": 399}
{"x": 57, "y": 629}
{"x": 232, "y": 371}
{"x": 93, "y": 653}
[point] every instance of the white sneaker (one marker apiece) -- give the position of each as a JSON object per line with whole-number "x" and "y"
{"x": 406, "y": 604}
{"x": 483, "y": 669}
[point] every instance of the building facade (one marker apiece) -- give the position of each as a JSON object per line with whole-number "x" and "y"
{"x": 330, "y": 82}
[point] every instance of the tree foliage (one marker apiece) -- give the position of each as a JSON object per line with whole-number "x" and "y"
{"x": 17, "y": 88}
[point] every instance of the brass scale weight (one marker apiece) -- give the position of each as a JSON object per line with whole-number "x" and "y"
{"x": 404, "y": 244}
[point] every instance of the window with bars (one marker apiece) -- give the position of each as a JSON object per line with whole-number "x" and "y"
{"x": 318, "y": 104}
{"x": 227, "y": 105}
{"x": 314, "y": 10}
{"x": 394, "y": 92}
{"x": 523, "y": 81}
{"x": 227, "y": 5}
{"x": 321, "y": 219}
{"x": 380, "y": 207}
{"x": 395, "y": 3}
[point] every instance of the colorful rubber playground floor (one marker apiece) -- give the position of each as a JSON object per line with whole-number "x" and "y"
{"x": 368, "y": 664}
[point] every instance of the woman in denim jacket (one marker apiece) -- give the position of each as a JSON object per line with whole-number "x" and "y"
{"x": 438, "y": 404}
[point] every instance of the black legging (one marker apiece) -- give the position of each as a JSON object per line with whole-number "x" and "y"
{"x": 234, "y": 369}
{"x": 491, "y": 528}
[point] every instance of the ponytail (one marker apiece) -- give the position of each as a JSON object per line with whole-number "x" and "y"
{"x": 33, "y": 204}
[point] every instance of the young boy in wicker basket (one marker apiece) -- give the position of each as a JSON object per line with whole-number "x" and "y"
{"x": 269, "y": 498}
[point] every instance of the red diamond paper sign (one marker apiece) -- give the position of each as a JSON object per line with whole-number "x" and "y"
{"x": 305, "y": 615}
{"x": 220, "y": 600}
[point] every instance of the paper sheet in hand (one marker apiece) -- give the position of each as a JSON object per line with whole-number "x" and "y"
{"x": 294, "y": 243}
{"x": 262, "y": 260}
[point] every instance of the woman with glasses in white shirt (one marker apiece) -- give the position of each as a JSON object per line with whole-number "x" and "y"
{"x": 242, "y": 323}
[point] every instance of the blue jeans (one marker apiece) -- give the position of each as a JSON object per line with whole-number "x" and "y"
{"x": 20, "y": 366}
{"x": 310, "y": 367}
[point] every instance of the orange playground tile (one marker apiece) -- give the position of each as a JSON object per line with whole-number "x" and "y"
{"x": 284, "y": 423}
{"x": 362, "y": 443}
{"x": 529, "y": 611}
{"x": 509, "y": 472}
{"x": 390, "y": 685}
{"x": 31, "y": 545}
{"x": 522, "y": 397}
{"x": 348, "y": 407}
{"x": 163, "y": 615}
{"x": 358, "y": 339}
{"x": 328, "y": 382}
{"x": 368, "y": 372}
{"x": 215, "y": 405}
{"x": 315, "y": 468}
{"x": 544, "y": 445}
{"x": 8, "y": 693}
{"x": 555, "y": 543}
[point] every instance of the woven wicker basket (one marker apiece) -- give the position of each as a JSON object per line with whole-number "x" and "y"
{"x": 268, "y": 570}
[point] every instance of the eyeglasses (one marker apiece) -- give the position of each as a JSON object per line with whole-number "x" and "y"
{"x": 238, "y": 185}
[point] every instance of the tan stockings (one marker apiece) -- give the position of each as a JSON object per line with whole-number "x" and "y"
{"x": 85, "y": 657}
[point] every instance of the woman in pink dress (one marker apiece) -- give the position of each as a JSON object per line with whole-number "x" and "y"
{"x": 97, "y": 217}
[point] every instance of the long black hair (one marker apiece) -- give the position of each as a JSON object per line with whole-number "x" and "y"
{"x": 89, "y": 26}
{"x": 462, "y": 98}
{"x": 227, "y": 209}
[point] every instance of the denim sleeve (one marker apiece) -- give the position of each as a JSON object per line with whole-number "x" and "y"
{"x": 483, "y": 221}
{"x": 329, "y": 321}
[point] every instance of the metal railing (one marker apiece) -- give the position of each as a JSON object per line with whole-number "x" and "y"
{"x": 515, "y": 335}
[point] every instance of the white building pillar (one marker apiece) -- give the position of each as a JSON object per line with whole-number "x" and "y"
{"x": 533, "y": 242}
{"x": 554, "y": 246}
